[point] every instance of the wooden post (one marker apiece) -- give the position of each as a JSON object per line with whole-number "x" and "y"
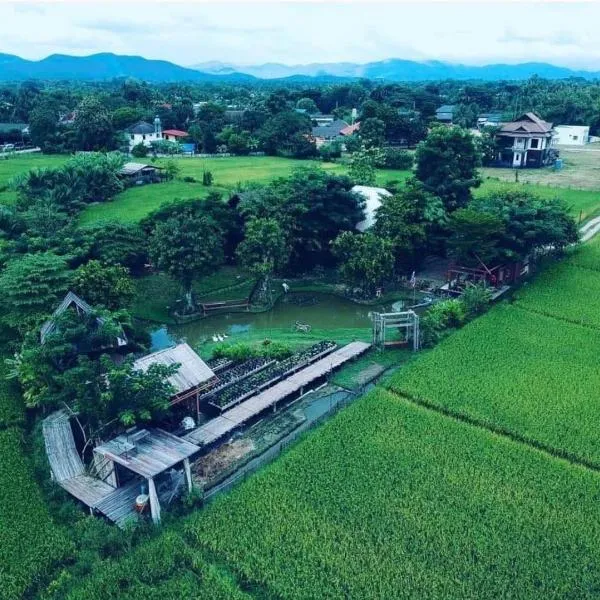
{"x": 154, "y": 503}
{"x": 188, "y": 473}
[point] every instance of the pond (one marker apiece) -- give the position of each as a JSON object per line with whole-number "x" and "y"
{"x": 320, "y": 311}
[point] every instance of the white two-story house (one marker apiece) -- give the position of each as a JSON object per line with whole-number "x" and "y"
{"x": 144, "y": 133}
{"x": 525, "y": 142}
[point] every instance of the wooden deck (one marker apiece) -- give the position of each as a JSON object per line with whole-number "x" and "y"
{"x": 229, "y": 420}
{"x": 119, "y": 505}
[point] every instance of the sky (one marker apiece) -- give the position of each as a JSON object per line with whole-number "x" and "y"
{"x": 303, "y": 32}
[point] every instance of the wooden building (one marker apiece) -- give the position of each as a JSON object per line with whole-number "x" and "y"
{"x": 193, "y": 377}
{"x": 133, "y": 173}
{"x": 526, "y": 142}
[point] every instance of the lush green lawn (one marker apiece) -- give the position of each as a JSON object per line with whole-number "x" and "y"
{"x": 18, "y": 164}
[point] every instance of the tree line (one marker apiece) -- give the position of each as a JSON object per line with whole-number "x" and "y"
{"x": 241, "y": 118}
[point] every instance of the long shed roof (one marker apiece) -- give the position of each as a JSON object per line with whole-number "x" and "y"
{"x": 192, "y": 372}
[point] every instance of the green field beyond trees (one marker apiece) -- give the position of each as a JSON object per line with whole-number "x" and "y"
{"x": 229, "y": 173}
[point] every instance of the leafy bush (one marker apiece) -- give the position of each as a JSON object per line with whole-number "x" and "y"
{"x": 190, "y": 179}
{"x": 140, "y": 151}
{"x": 207, "y": 178}
{"x": 329, "y": 152}
{"x": 476, "y": 299}
{"x": 393, "y": 158}
{"x": 440, "y": 317}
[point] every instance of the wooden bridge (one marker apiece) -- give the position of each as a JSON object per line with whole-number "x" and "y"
{"x": 66, "y": 465}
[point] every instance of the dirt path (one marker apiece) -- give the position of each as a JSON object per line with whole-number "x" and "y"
{"x": 590, "y": 229}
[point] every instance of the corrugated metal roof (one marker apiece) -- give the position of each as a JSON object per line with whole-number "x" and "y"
{"x": 372, "y": 196}
{"x": 175, "y": 132}
{"x": 192, "y": 372}
{"x": 330, "y": 130}
{"x": 131, "y": 168}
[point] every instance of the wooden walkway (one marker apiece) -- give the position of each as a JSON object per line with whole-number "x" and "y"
{"x": 229, "y": 420}
{"x": 66, "y": 464}
{"x": 118, "y": 506}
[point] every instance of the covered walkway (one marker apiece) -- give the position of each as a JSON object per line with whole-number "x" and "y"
{"x": 229, "y": 420}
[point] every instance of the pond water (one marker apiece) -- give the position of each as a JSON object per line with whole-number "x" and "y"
{"x": 320, "y": 311}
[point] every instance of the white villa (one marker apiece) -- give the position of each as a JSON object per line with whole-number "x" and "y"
{"x": 144, "y": 133}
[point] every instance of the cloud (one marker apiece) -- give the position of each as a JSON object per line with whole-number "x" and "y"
{"x": 118, "y": 26}
{"x": 557, "y": 38}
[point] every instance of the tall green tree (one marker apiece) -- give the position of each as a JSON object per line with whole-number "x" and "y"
{"x": 93, "y": 126}
{"x": 109, "y": 286}
{"x": 372, "y": 132}
{"x": 365, "y": 260}
{"x": 31, "y": 287}
{"x": 447, "y": 162}
{"x": 313, "y": 207}
{"x": 362, "y": 166}
{"x": 409, "y": 219}
{"x": 264, "y": 249}
{"x": 187, "y": 246}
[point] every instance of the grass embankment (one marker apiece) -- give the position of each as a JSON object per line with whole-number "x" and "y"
{"x": 158, "y": 294}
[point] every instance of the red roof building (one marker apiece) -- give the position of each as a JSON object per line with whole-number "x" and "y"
{"x": 174, "y": 135}
{"x": 350, "y": 129}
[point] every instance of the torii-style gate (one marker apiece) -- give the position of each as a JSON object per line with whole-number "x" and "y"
{"x": 406, "y": 320}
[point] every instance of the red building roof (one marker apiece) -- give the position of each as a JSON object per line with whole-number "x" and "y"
{"x": 350, "y": 129}
{"x": 175, "y": 132}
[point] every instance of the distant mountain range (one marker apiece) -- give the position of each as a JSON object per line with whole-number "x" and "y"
{"x": 395, "y": 69}
{"x": 98, "y": 67}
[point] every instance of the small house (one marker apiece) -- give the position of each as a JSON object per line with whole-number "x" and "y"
{"x": 321, "y": 120}
{"x": 372, "y": 196}
{"x": 332, "y": 132}
{"x": 489, "y": 120}
{"x": 144, "y": 133}
{"x": 525, "y": 142}
{"x": 571, "y": 135}
{"x": 174, "y": 135}
{"x": 133, "y": 173}
{"x": 445, "y": 113}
